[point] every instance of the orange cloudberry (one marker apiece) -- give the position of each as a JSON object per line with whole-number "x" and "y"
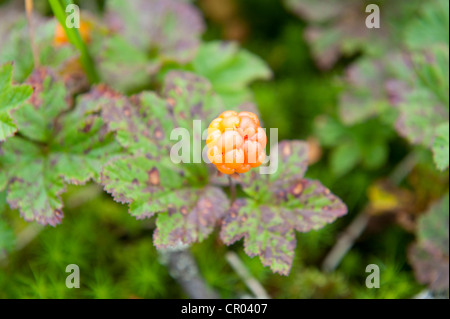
{"x": 236, "y": 142}
{"x": 61, "y": 38}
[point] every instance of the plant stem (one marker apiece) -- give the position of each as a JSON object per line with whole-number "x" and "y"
{"x": 232, "y": 189}
{"x": 359, "y": 224}
{"x": 183, "y": 268}
{"x": 253, "y": 284}
{"x": 346, "y": 241}
{"x": 23, "y": 239}
{"x": 75, "y": 38}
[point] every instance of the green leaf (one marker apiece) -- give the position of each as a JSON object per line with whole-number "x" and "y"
{"x": 147, "y": 179}
{"x": 230, "y": 70}
{"x": 431, "y": 68}
{"x": 375, "y": 154}
{"x": 344, "y": 158}
{"x": 11, "y": 97}
{"x": 329, "y": 130}
{"x": 429, "y": 255}
{"x": 56, "y": 147}
{"x": 441, "y": 146}
{"x": 430, "y": 27}
{"x": 279, "y": 204}
{"x": 363, "y": 143}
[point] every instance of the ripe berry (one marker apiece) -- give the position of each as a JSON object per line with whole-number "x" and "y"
{"x": 236, "y": 142}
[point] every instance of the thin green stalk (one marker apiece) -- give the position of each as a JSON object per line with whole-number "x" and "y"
{"x": 232, "y": 189}
{"x": 75, "y": 38}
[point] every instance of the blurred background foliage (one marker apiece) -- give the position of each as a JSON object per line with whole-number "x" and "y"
{"x": 315, "y": 51}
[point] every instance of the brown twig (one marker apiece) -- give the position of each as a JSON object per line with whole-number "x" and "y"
{"x": 34, "y": 49}
{"x": 346, "y": 241}
{"x": 184, "y": 270}
{"x": 254, "y": 285}
{"x": 359, "y": 224}
{"x": 23, "y": 239}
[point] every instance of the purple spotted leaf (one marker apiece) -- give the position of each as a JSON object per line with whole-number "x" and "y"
{"x": 429, "y": 255}
{"x": 201, "y": 210}
{"x": 33, "y": 186}
{"x": 121, "y": 65}
{"x": 414, "y": 85}
{"x": 430, "y": 265}
{"x": 410, "y": 81}
{"x": 146, "y": 34}
{"x": 417, "y": 121}
{"x": 143, "y": 183}
{"x": 311, "y": 10}
{"x": 147, "y": 178}
{"x": 191, "y": 97}
{"x": 365, "y": 95}
{"x": 336, "y": 29}
{"x": 291, "y": 160}
{"x": 172, "y": 28}
{"x": 141, "y": 123}
{"x": 280, "y": 203}
{"x": 423, "y": 104}
{"x": 36, "y": 119}
{"x": 82, "y": 147}
{"x": 144, "y": 122}
{"x": 265, "y": 233}
{"x": 57, "y": 145}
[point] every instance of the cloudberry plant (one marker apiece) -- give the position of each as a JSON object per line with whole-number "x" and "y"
{"x": 120, "y": 136}
{"x": 236, "y": 142}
